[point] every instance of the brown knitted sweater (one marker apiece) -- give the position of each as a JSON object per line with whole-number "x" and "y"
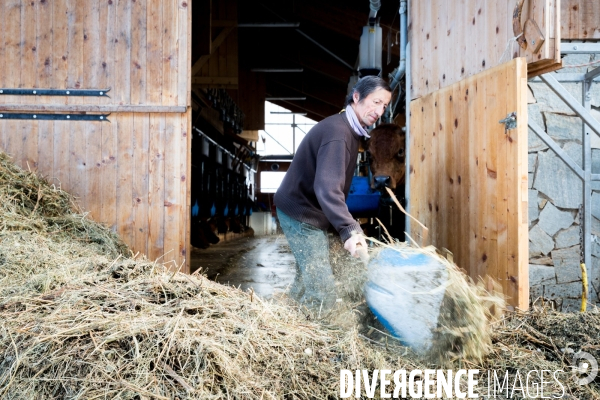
{"x": 316, "y": 185}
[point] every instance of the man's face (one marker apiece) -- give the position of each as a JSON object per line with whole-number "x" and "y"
{"x": 369, "y": 109}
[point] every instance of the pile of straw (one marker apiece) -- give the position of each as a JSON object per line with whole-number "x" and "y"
{"x": 81, "y": 319}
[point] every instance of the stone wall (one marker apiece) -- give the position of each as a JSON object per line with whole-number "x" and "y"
{"x": 555, "y": 195}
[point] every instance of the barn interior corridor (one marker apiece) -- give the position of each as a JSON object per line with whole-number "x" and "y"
{"x": 263, "y": 263}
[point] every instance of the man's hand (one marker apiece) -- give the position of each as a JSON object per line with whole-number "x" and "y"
{"x": 356, "y": 244}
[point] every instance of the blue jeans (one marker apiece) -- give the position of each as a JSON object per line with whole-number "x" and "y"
{"x": 314, "y": 285}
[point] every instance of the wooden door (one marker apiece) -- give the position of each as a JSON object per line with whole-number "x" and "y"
{"x": 132, "y": 171}
{"x": 468, "y": 174}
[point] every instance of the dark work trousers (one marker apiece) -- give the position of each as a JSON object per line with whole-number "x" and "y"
{"x": 314, "y": 285}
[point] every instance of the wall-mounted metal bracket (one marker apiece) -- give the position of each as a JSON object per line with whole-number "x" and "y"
{"x": 510, "y": 122}
{"x": 55, "y": 92}
{"x": 56, "y": 117}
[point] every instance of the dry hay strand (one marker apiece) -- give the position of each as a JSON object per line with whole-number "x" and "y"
{"x": 544, "y": 339}
{"x": 80, "y": 320}
{"x": 135, "y": 329}
{"x": 29, "y": 203}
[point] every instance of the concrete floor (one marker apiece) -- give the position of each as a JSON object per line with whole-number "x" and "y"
{"x": 264, "y": 263}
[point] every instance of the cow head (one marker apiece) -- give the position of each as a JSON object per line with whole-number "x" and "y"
{"x": 386, "y": 147}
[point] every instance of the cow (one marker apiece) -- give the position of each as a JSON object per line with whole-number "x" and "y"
{"x": 386, "y": 149}
{"x": 388, "y": 169}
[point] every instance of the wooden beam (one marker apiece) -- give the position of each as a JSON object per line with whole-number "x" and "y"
{"x": 214, "y": 45}
{"x": 222, "y": 23}
{"x": 216, "y": 81}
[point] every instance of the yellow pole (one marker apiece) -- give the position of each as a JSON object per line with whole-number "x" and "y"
{"x": 584, "y": 282}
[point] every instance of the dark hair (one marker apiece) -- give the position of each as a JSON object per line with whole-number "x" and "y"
{"x": 365, "y": 86}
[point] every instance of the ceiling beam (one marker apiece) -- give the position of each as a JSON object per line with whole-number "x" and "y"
{"x": 214, "y": 46}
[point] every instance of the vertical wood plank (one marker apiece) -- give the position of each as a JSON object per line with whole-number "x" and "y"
{"x": 512, "y": 187}
{"x": 173, "y": 202}
{"x": 3, "y": 68}
{"x": 61, "y": 155}
{"x": 11, "y": 70}
{"x": 108, "y": 211}
{"x": 463, "y": 177}
{"x": 480, "y": 200}
{"x": 29, "y": 50}
{"x": 497, "y": 172}
{"x": 169, "y": 52}
{"x": 439, "y": 162}
{"x": 125, "y": 177}
{"x": 522, "y": 264}
{"x": 77, "y": 161}
{"x": 122, "y": 92}
{"x": 60, "y": 49}
{"x": 476, "y": 130}
{"x": 44, "y": 45}
{"x": 75, "y": 18}
{"x": 156, "y": 188}
{"x": 104, "y": 68}
{"x": 46, "y": 148}
{"x": 138, "y": 52}
{"x": 141, "y": 140}
{"x": 154, "y": 52}
{"x": 184, "y": 52}
{"x": 185, "y": 189}
{"x": 91, "y": 48}
{"x": 93, "y": 157}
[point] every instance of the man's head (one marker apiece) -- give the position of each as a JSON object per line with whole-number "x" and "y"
{"x": 369, "y": 98}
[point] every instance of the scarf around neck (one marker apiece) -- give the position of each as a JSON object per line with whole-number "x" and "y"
{"x": 360, "y": 131}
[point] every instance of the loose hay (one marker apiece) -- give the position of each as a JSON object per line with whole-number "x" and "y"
{"x": 80, "y": 319}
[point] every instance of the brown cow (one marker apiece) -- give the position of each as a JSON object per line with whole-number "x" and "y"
{"x": 387, "y": 146}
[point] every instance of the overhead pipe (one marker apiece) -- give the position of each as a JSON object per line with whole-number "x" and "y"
{"x": 400, "y": 71}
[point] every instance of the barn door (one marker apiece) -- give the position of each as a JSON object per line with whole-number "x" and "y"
{"x": 128, "y": 170}
{"x": 468, "y": 174}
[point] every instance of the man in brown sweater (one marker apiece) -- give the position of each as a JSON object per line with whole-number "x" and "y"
{"x": 313, "y": 193}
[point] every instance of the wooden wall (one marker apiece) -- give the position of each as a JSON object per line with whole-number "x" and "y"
{"x": 451, "y": 41}
{"x": 580, "y": 19}
{"x": 468, "y": 176}
{"x": 132, "y": 172}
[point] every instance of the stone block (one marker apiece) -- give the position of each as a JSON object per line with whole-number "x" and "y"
{"x": 595, "y": 224}
{"x": 541, "y": 261}
{"x": 551, "y": 219}
{"x": 534, "y": 143}
{"x": 562, "y": 290}
{"x": 536, "y": 292}
{"x": 568, "y": 237}
{"x": 540, "y": 244}
{"x": 572, "y": 304}
{"x": 555, "y": 179}
{"x": 531, "y": 162}
{"x": 595, "y": 160}
{"x": 566, "y": 262}
{"x": 564, "y": 127}
{"x": 530, "y": 180}
{"x": 547, "y": 100}
{"x": 534, "y": 211}
{"x": 596, "y": 204}
{"x": 541, "y": 275}
{"x": 530, "y": 98}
